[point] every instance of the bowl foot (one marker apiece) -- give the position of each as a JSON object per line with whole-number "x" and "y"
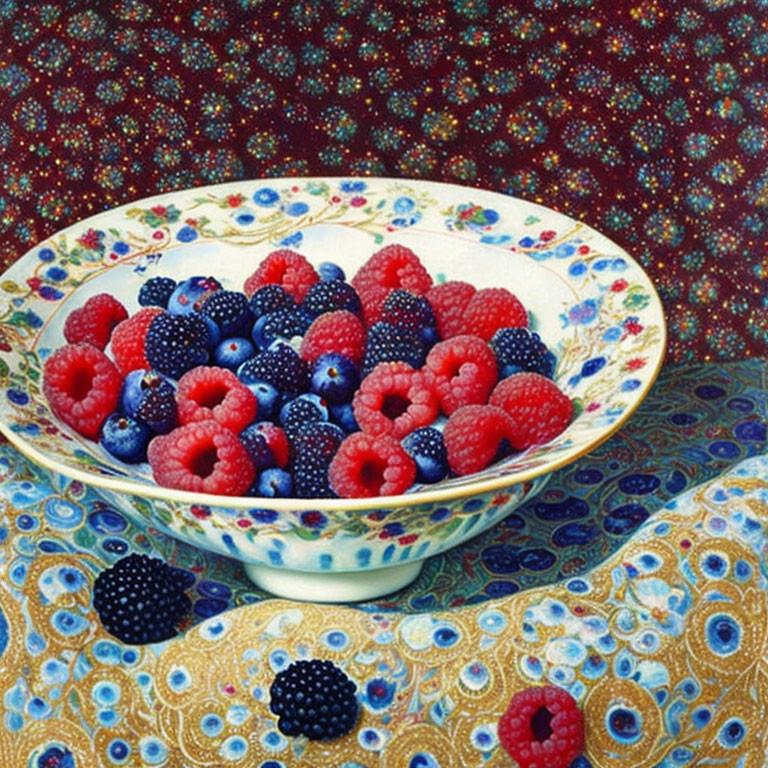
{"x": 343, "y": 587}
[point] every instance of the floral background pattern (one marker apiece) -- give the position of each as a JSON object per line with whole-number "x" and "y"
{"x": 646, "y": 120}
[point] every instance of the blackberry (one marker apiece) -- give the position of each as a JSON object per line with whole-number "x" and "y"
{"x": 282, "y": 324}
{"x": 304, "y": 408}
{"x": 521, "y": 350}
{"x": 157, "y": 408}
{"x": 315, "y": 699}
{"x": 156, "y": 291}
{"x": 389, "y": 343}
{"x": 405, "y": 309}
{"x": 426, "y": 447}
{"x": 270, "y": 298}
{"x": 255, "y": 443}
{"x": 177, "y": 343}
{"x": 314, "y": 445}
{"x": 329, "y": 296}
{"x": 280, "y": 366}
{"x": 141, "y": 599}
{"x": 229, "y": 311}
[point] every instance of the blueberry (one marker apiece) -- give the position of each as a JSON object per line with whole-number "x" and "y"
{"x": 257, "y": 446}
{"x": 425, "y": 445}
{"x": 132, "y": 392}
{"x": 231, "y": 353}
{"x": 268, "y": 397}
{"x": 343, "y": 415}
{"x": 189, "y": 295}
{"x": 330, "y": 271}
{"x": 275, "y": 483}
{"x": 334, "y": 378}
{"x": 125, "y": 438}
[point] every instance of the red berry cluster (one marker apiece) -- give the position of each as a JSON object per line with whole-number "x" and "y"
{"x": 457, "y": 387}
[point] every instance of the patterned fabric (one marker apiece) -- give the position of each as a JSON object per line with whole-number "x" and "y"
{"x": 646, "y": 119}
{"x": 657, "y": 625}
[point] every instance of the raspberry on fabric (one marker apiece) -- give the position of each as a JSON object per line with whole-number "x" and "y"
{"x": 208, "y": 392}
{"x": 141, "y": 599}
{"x": 391, "y": 267}
{"x": 490, "y": 309}
{"x": 202, "y": 457}
{"x": 339, "y": 331}
{"x": 448, "y": 302}
{"x": 394, "y": 399}
{"x": 128, "y": 338}
{"x": 286, "y": 268}
{"x": 521, "y": 349}
{"x": 474, "y": 436}
{"x": 369, "y": 465}
{"x": 542, "y": 727}
{"x": 537, "y": 407}
{"x": 465, "y": 371}
{"x": 156, "y": 291}
{"x": 177, "y": 343}
{"x": 82, "y": 386}
{"x": 314, "y": 698}
{"x": 95, "y": 320}
{"x": 387, "y": 343}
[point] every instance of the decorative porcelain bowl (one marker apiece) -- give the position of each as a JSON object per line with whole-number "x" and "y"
{"x": 590, "y": 302}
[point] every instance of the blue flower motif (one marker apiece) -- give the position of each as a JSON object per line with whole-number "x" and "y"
{"x": 56, "y": 757}
{"x": 526, "y": 242}
{"x": 49, "y": 293}
{"x": 244, "y": 219}
{"x": 266, "y": 196}
{"x": 57, "y": 274}
{"x": 46, "y": 254}
{"x": 292, "y": 241}
{"x": 612, "y": 334}
{"x": 121, "y": 248}
{"x": 592, "y": 366}
{"x": 263, "y": 515}
{"x": 564, "y": 250}
{"x": 186, "y": 235}
{"x": 629, "y": 385}
{"x": 313, "y": 519}
{"x": 577, "y": 269}
{"x": 352, "y": 186}
{"x": 406, "y": 221}
{"x": 17, "y": 396}
{"x": 583, "y": 313}
{"x": 403, "y": 205}
{"x": 379, "y": 693}
{"x": 296, "y": 209}
{"x": 495, "y": 239}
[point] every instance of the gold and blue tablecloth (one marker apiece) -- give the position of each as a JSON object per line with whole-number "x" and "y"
{"x": 637, "y": 580}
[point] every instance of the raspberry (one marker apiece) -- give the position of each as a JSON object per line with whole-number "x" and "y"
{"x": 465, "y": 371}
{"x": 156, "y": 292}
{"x": 286, "y": 268}
{"x": 330, "y": 296}
{"x": 394, "y": 399}
{"x": 474, "y": 436}
{"x": 537, "y": 407}
{"x": 542, "y": 726}
{"x": 202, "y": 457}
{"x": 367, "y": 465}
{"x": 141, "y": 599}
{"x": 394, "y": 266}
{"x": 387, "y": 343}
{"x": 448, "y": 301}
{"x": 340, "y": 331}
{"x": 82, "y": 386}
{"x": 490, "y": 309}
{"x": 127, "y": 342}
{"x": 521, "y": 349}
{"x": 215, "y": 393}
{"x": 94, "y": 321}
{"x": 177, "y": 343}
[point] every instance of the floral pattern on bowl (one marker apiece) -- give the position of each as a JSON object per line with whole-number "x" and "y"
{"x": 589, "y": 300}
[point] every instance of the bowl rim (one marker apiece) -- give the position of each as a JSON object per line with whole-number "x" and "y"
{"x": 425, "y": 494}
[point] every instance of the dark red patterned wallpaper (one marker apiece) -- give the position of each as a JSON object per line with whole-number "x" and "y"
{"x": 647, "y": 119}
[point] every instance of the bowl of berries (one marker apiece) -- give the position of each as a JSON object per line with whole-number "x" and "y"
{"x": 330, "y": 380}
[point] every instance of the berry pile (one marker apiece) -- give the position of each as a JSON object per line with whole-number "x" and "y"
{"x": 305, "y": 384}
